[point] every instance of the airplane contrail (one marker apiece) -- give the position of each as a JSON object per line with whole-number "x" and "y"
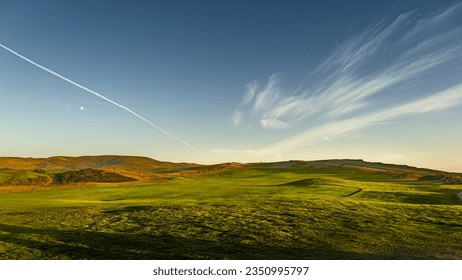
{"x": 97, "y": 94}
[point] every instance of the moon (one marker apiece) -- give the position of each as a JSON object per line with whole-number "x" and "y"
{"x": 82, "y": 108}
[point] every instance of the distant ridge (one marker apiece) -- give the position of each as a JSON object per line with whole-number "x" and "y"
{"x": 95, "y": 162}
{"x": 356, "y": 163}
{"x": 400, "y": 171}
{"x": 83, "y": 169}
{"x": 99, "y": 169}
{"x": 147, "y": 163}
{"x": 117, "y": 168}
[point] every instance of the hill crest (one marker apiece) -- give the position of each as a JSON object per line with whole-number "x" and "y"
{"x": 95, "y": 162}
{"x": 148, "y": 169}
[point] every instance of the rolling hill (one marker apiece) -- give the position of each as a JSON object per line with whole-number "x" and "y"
{"x": 402, "y": 171}
{"x": 43, "y": 171}
{"x": 116, "y": 168}
{"x": 90, "y": 208}
{"x": 94, "y": 162}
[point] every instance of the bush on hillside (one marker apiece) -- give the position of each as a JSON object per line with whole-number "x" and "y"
{"x": 90, "y": 175}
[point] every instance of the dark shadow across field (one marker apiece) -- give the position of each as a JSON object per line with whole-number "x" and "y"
{"x": 311, "y": 230}
{"x": 124, "y": 246}
{"x": 246, "y": 213}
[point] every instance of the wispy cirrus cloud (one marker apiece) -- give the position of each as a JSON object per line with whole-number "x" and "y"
{"x": 380, "y": 74}
{"x": 438, "y": 101}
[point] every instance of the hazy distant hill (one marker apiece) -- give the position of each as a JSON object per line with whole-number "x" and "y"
{"x": 95, "y": 162}
{"x": 63, "y": 169}
{"x": 353, "y": 163}
{"x": 402, "y": 171}
{"x": 114, "y": 168}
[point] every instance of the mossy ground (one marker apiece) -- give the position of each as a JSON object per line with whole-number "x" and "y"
{"x": 245, "y": 213}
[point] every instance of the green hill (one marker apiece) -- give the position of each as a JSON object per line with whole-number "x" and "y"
{"x": 23, "y": 177}
{"x": 139, "y": 168}
{"x": 10, "y": 177}
{"x": 331, "y": 209}
{"x": 62, "y": 169}
{"x": 357, "y": 165}
{"x": 94, "y": 162}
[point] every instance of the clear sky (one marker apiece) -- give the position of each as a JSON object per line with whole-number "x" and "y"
{"x": 216, "y": 81}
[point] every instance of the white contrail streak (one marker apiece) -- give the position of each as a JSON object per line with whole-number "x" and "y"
{"x": 97, "y": 94}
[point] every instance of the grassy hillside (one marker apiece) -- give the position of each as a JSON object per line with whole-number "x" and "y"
{"x": 10, "y": 177}
{"x": 140, "y": 168}
{"x": 294, "y": 210}
{"x": 94, "y": 162}
{"x": 149, "y": 170}
{"x": 23, "y": 177}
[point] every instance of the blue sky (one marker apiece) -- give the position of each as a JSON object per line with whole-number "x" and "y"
{"x": 215, "y": 81}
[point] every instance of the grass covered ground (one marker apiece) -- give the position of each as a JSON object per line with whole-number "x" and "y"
{"x": 256, "y": 212}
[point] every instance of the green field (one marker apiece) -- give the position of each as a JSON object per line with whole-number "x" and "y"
{"x": 252, "y": 212}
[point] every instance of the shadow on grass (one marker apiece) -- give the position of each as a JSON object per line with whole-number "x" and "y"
{"x": 443, "y": 197}
{"x": 62, "y": 244}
